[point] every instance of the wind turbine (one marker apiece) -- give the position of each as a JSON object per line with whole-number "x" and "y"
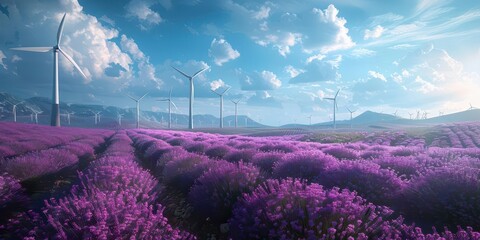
{"x": 120, "y": 119}
{"x": 418, "y": 115}
{"x": 351, "y": 116}
{"x": 310, "y": 118}
{"x": 334, "y": 99}
{"x": 170, "y": 103}
{"x": 138, "y": 107}
{"x": 14, "y": 110}
{"x": 395, "y": 113}
{"x": 35, "y": 113}
{"x": 411, "y": 114}
{"x": 190, "y": 107}
{"x": 471, "y": 107}
{"x": 236, "y": 105}
{"x": 68, "y": 116}
{"x": 55, "y": 120}
{"x": 96, "y": 116}
{"x": 221, "y": 104}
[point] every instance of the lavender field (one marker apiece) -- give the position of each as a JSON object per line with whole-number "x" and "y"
{"x": 73, "y": 183}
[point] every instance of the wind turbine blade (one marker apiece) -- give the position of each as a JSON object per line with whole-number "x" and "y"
{"x": 33, "y": 49}
{"x": 163, "y": 100}
{"x": 184, "y": 74}
{"x": 170, "y": 94}
{"x": 226, "y": 90}
{"x": 73, "y": 62}
{"x": 173, "y": 104}
{"x": 143, "y": 96}
{"x": 337, "y": 93}
{"x": 348, "y": 109}
{"x": 216, "y": 92}
{"x": 329, "y": 98}
{"x": 60, "y": 29}
{"x": 194, "y": 75}
{"x": 134, "y": 99}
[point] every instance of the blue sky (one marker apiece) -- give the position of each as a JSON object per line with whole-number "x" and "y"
{"x": 281, "y": 58}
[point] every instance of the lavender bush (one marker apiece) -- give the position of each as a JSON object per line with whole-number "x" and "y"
{"x": 305, "y": 165}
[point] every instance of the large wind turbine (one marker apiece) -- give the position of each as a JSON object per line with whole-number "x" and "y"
{"x": 190, "y": 107}
{"x": 138, "y": 107}
{"x": 170, "y": 103}
{"x": 334, "y": 99}
{"x": 236, "y": 105}
{"x": 351, "y": 116}
{"x": 14, "y": 110}
{"x": 120, "y": 119}
{"x": 55, "y": 120}
{"x": 221, "y": 104}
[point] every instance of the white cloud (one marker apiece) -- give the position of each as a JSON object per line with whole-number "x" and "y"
{"x": 141, "y": 10}
{"x": 2, "y": 56}
{"x": 319, "y": 70}
{"x": 424, "y": 86}
{"x": 316, "y": 31}
{"x": 377, "y": 75}
{"x": 16, "y": 58}
{"x": 293, "y": 72}
{"x": 264, "y": 99}
{"x": 216, "y": 84}
{"x": 374, "y": 33}
{"x": 131, "y": 47}
{"x": 403, "y": 46}
{"x": 362, "y": 52}
{"x": 264, "y": 80}
{"x": 222, "y": 51}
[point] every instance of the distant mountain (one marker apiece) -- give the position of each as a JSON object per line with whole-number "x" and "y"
{"x": 84, "y": 115}
{"x": 369, "y": 117}
{"x": 465, "y": 116}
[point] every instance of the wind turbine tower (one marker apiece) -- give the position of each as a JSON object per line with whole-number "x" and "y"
{"x": 310, "y": 118}
{"x": 120, "y": 119}
{"x": 137, "y": 101}
{"x": 170, "y": 103}
{"x": 411, "y": 114}
{"x": 55, "y": 120}
{"x": 334, "y": 99}
{"x": 221, "y": 104}
{"x": 190, "y": 107}
{"x": 236, "y": 115}
{"x": 35, "y": 113}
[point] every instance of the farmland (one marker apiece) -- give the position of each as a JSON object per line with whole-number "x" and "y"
{"x": 70, "y": 183}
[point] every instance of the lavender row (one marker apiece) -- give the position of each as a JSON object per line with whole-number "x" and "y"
{"x": 38, "y": 163}
{"x": 386, "y": 176}
{"x": 17, "y": 139}
{"x": 114, "y": 199}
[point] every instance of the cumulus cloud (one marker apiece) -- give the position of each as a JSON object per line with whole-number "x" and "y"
{"x": 426, "y": 76}
{"x": 264, "y": 80}
{"x": 292, "y": 71}
{"x": 319, "y": 70}
{"x": 374, "y": 33}
{"x": 216, "y": 84}
{"x": 377, "y": 75}
{"x": 222, "y": 51}
{"x": 142, "y": 11}
{"x": 264, "y": 99}
{"x": 317, "y": 30}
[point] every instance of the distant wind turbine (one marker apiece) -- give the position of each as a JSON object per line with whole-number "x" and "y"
{"x": 310, "y": 118}
{"x": 35, "y": 113}
{"x": 170, "y": 103}
{"x": 68, "y": 116}
{"x": 395, "y": 113}
{"x": 411, "y": 114}
{"x": 221, "y": 104}
{"x": 334, "y": 99}
{"x": 137, "y": 101}
{"x": 471, "y": 107}
{"x": 351, "y": 116}
{"x": 55, "y": 120}
{"x": 236, "y": 115}
{"x": 14, "y": 109}
{"x": 97, "y": 117}
{"x": 190, "y": 107}
{"x": 119, "y": 116}
{"x": 418, "y": 115}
